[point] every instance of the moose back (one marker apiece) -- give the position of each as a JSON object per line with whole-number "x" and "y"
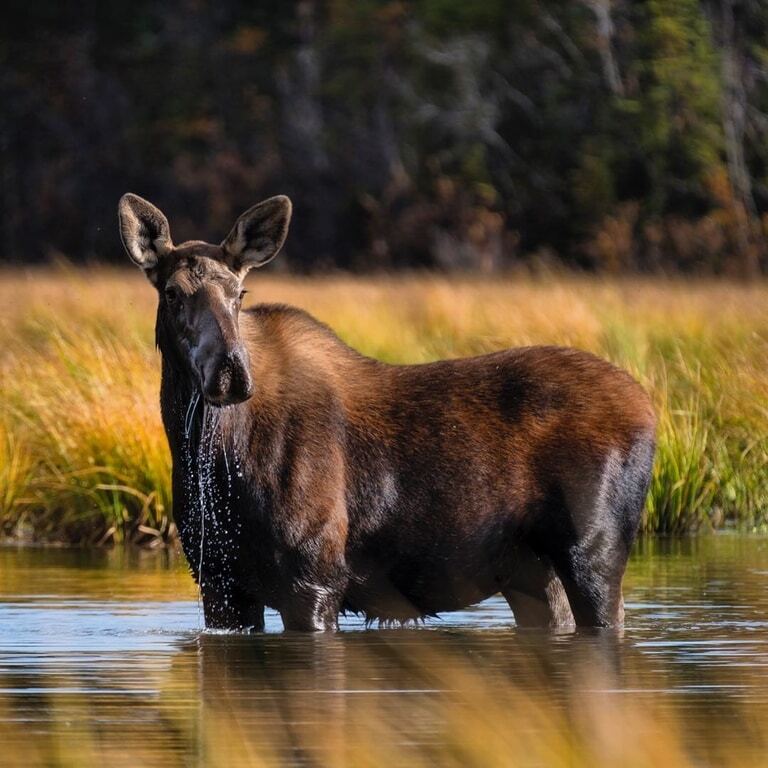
{"x": 311, "y": 479}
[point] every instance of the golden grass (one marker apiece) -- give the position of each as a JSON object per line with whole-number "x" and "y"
{"x": 83, "y": 456}
{"x": 212, "y": 712}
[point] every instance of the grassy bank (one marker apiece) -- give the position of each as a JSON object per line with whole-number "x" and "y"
{"x": 83, "y": 455}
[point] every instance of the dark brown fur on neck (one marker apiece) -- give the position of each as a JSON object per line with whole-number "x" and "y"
{"x": 399, "y": 491}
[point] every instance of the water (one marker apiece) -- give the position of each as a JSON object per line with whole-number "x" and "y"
{"x": 108, "y": 649}
{"x": 209, "y": 530}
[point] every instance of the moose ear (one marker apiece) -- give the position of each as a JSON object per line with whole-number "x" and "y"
{"x": 144, "y": 231}
{"x": 258, "y": 234}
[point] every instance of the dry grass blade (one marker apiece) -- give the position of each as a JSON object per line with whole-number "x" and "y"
{"x": 83, "y": 451}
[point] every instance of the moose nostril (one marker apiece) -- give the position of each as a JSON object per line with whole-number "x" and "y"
{"x": 229, "y": 379}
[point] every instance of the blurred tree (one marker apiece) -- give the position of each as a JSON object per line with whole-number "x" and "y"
{"x": 676, "y": 104}
{"x": 741, "y": 29}
{"x": 617, "y": 134}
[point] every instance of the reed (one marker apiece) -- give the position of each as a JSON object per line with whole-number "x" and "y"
{"x": 82, "y": 452}
{"x": 456, "y": 714}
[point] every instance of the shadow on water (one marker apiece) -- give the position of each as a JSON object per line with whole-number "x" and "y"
{"x": 111, "y": 645}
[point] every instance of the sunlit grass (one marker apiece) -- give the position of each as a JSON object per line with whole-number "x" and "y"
{"x": 219, "y": 706}
{"x": 83, "y": 455}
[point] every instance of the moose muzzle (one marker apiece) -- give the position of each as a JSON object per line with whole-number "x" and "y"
{"x": 221, "y": 359}
{"x": 226, "y": 379}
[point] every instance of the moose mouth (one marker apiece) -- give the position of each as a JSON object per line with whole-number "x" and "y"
{"x": 229, "y": 382}
{"x": 200, "y": 402}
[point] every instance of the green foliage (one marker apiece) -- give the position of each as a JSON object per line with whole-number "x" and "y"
{"x": 398, "y": 127}
{"x": 83, "y": 456}
{"x": 458, "y": 16}
{"x": 678, "y": 101}
{"x": 683, "y": 489}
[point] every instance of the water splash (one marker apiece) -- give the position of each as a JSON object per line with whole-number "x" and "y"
{"x": 205, "y": 478}
{"x": 189, "y": 419}
{"x": 210, "y": 532}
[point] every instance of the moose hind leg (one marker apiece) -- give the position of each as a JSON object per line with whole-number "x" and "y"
{"x": 591, "y": 574}
{"x": 535, "y": 593}
{"x": 604, "y": 516}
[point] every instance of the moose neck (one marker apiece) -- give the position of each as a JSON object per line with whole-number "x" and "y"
{"x": 177, "y": 387}
{"x": 181, "y": 402}
{"x": 177, "y": 394}
{"x": 183, "y": 408}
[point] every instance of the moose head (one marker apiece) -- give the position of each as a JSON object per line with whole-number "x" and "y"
{"x": 200, "y": 289}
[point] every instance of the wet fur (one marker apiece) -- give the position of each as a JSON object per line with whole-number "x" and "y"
{"x": 404, "y": 491}
{"x": 395, "y": 491}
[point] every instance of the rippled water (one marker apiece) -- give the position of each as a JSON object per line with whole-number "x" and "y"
{"x": 109, "y": 646}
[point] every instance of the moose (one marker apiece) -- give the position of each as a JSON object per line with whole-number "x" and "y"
{"x": 340, "y": 483}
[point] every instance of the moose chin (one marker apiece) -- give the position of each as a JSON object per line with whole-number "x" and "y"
{"x": 336, "y": 482}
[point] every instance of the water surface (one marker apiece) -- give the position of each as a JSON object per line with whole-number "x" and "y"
{"x": 108, "y": 647}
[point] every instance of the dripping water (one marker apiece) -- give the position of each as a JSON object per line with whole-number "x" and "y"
{"x": 204, "y": 471}
{"x": 190, "y": 417}
{"x": 209, "y": 529}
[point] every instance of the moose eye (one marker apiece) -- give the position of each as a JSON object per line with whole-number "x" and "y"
{"x": 171, "y": 295}
{"x": 242, "y": 294}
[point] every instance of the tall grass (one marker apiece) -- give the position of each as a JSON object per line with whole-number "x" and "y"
{"x": 82, "y": 453}
{"x": 451, "y": 712}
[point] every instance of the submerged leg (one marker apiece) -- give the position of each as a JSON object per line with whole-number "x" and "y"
{"x": 591, "y": 575}
{"x": 535, "y": 593}
{"x": 230, "y": 608}
{"x": 604, "y": 511}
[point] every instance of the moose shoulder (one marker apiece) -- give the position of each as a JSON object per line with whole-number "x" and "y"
{"x": 311, "y": 479}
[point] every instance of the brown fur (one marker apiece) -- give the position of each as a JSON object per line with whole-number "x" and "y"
{"x": 396, "y": 491}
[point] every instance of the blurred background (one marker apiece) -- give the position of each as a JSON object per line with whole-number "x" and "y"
{"x": 606, "y": 135}
{"x": 591, "y": 173}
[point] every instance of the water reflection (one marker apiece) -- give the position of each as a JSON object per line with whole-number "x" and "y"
{"x": 108, "y": 647}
